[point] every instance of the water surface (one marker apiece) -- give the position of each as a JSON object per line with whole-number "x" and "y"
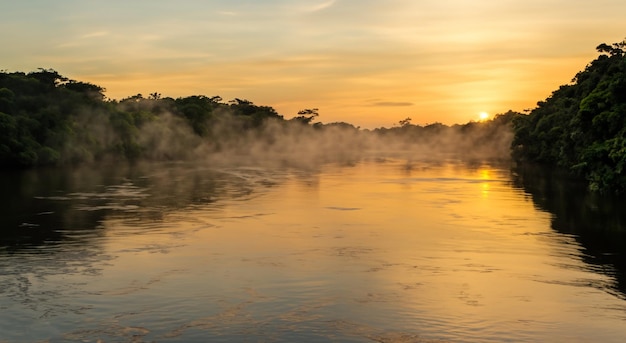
{"x": 383, "y": 250}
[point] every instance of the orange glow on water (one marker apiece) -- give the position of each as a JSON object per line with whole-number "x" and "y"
{"x": 355, "y": 251}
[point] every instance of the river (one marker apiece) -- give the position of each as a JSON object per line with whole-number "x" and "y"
{"x": 378, "y": 250}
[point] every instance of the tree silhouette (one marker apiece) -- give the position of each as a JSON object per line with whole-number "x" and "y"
{"x": 307, "y": 115}
{"x": 405, "y": 122}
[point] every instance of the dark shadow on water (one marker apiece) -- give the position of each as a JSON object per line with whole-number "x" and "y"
{"x": 55, "y": 223}
{"x": 35, "y": 209}
{"x": 598, "y": 222}
{"x": 45, "y": 209}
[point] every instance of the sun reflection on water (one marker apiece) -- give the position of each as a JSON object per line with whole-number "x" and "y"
{"x": 376, "y": 251}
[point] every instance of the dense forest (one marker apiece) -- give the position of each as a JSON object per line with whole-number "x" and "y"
{"x": 581, "y": 127}
{"x": 49, "y": 119}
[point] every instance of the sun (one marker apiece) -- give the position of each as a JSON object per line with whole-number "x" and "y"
{"x": 483, "y": 116}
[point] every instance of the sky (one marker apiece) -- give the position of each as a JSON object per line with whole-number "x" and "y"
{"x": 366, "y": 62}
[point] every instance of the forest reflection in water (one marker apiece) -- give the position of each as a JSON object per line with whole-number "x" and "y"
{"x": 596, "y": 221}
{"x": 382, "y": 250}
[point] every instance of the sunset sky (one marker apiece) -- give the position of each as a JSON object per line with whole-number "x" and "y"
{"x": 369, "y": 63}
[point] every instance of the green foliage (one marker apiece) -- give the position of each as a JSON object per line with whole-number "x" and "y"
{"x": 49, "y": 119}
{"x": 198, "y": 111}
{"x": 582, "y": 126}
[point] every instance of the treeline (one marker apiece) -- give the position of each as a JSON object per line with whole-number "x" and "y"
{"x": 581, "y": 127}
{"x": 476, "y": 140}
{"x": 48, "y": 119}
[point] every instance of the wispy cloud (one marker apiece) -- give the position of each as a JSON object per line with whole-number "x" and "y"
{"x": 321, "y": 6}
{"x": 95, "y": 34}
{"x": 363, "y": 60}
{"x": 228, "y": 13}
{"x": 392, "y": 104}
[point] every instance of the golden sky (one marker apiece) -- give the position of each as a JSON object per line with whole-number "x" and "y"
{"x": 369, "y": 63}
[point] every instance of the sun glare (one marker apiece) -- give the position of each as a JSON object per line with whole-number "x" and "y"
{"x": 483, "y": 115}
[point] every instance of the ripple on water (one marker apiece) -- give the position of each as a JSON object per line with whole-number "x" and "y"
{"x": 304, "y": 262}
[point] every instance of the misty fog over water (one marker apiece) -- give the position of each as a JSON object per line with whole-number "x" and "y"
{"x": 369, "y": 249}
